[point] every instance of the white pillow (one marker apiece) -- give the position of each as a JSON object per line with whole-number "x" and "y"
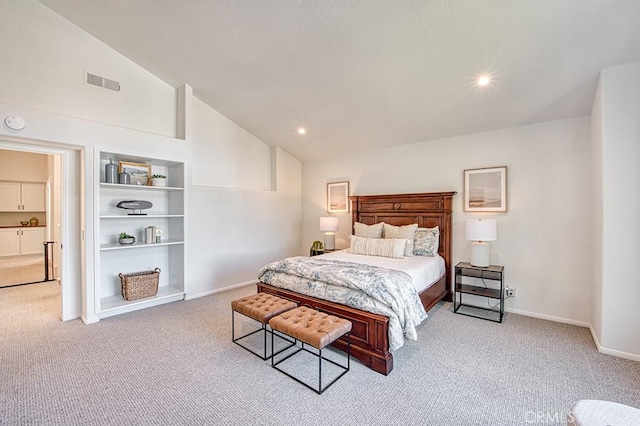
{"x": 426, "y": 241}
{"x": 377, "y": 246}
{"x": 368, "y": 231}
{"x": 407, "y": 232}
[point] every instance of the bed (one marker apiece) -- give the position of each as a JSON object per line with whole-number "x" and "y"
{"x": 370, "y": 331}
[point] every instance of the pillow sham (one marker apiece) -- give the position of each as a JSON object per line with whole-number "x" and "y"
{"x": 426, "y": 241}
{"x": 407, "y": 232}
{"x": 377, "y": 246}
{"x": 368, "y": 231}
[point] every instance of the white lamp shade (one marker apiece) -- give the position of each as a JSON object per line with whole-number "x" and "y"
{"x": 480, "y": 229}
{"x": 329, "y": 224}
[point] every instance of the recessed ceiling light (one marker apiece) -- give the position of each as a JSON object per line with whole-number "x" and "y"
{"x": 483, "y": 80}
{"x": 302, "y": 130}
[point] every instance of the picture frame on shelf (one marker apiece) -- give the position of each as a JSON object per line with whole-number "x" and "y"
{"x": 485, "y": 190}
{"x": 140, "y": 173}
{"x": 338, "y": 197}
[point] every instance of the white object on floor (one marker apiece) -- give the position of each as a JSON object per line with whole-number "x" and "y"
{"x": 591, "y": 412}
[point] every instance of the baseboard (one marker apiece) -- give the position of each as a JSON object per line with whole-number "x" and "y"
{"x": 551, "y": 318}
{"x": 599, "y": 347}
{"x": 88, "y": 321}
{"x": 612, "y": 352}
{"x": 189, "y": 296}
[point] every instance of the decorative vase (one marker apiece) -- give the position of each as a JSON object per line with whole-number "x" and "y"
{"x": 127, "y": 241}
{"x": 159, "y": 181}
{"x": 124, "y": 178}
{"x": 111, "y": 172}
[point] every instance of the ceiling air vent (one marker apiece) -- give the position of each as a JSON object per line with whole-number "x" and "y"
{"x": 96, "y": 80}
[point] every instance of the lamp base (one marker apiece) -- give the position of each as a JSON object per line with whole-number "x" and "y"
{"x": 329, "y": 241}
{"x": 480, "y": 254}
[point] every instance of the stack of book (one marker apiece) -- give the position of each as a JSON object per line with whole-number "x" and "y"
{"x": 150, "y": 235}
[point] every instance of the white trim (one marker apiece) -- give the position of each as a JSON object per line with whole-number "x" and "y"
{"x": 219, "y": 290}
{"x": 595, "y": 337}
{"x": 551, "y": 318}
{"x": 599, "y": 347}
{"x": 613, "y": 352}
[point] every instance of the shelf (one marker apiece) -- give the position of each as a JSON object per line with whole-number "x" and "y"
{"x": 118, "y": 246}
{"x": 478, "y": 291}
{"x": 139, "y": 187}
{"x": 167, "y": 213}
{"x": 116, "y": 305}
{"x": 139, "y": 216}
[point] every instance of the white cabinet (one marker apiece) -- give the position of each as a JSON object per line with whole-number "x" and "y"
{"x": 10, "y": 200}
{"x": 112, "y": 258}
{"x": 10, "y": 242}
{"x": 22, "y": 197}
{"x": 31, "y": 240}
{"x": 33, "y": 197}
{"x": 21, "y": 241}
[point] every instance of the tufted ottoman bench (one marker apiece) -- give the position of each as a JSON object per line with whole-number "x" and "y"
{"x": 260, "y": 307}
{"x": 316, "y": 329}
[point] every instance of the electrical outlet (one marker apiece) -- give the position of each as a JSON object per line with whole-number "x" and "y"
{"x": 510, "y": 291}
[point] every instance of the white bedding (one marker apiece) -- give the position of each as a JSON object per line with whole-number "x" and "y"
{"x": 424, "y": 270}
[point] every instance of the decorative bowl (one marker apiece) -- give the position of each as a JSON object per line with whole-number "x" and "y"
{"x": 24, "y": 223}
{"x": 126, "y": 241}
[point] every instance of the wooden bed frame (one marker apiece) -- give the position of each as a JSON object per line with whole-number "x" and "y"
{"x": 369, "y": 334}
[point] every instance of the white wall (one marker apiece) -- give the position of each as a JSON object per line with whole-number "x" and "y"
{"x": 23, "y": 166}
{"x": 617, "y": 120}
{"x": 543, "y": 239}
{"x": 231, "y": 231}
{"x": 44, "y": 58}
{"x": 225, "y": 154}
{"x": 237, "y": 223}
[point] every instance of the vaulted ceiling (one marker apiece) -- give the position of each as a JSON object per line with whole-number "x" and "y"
{"x": 364, "y": 74}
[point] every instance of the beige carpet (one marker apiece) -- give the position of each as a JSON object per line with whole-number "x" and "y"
{"x": 20, "y": 270}
{"x": 175, "y": 365}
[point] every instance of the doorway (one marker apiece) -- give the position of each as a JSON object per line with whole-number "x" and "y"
{"x": 60, "y": 219}
{"x": 29, "y": 217}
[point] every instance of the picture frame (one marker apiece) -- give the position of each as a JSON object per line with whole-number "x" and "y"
{"x": 485, "y": 190}
{"x": 338, "y": 197}
{"x": 140, "y": 173}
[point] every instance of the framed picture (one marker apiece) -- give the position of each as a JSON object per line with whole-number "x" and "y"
{"x": 338, "y": 197}
{"x": 140, "y": 173}
{"x": 485, "y": 190}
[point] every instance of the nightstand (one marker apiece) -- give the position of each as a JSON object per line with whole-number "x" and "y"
{"x": 493, "y": 273}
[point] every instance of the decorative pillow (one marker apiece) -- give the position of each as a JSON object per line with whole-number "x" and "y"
{"x": 377, "y": 246}
{"x": 407, "y": 232}
{"x": 368, "y": 231}
{"x": 426, "y": 241}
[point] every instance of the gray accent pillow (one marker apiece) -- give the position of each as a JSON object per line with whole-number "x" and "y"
{"x": 426, "y": 241}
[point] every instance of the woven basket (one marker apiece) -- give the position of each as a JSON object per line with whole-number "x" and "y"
{"x": 139, "y": 284}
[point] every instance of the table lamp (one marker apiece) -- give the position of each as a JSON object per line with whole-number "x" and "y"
{"x": 479, "y": 231}
{"x": 329, "y": 225}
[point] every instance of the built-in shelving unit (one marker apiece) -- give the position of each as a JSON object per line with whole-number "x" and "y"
{"x": 166, "y": 213}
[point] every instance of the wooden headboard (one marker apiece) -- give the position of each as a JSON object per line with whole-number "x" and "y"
{"x": 427, "y": 210}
